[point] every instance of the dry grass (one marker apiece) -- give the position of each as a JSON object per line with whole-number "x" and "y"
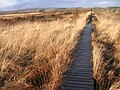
{"x": 106, "y": 49}
{"x": 34, "y": 55}
{"x": 40, "y": 16}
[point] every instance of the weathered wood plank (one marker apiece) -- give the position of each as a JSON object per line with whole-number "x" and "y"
{"x": 79, "y": 75}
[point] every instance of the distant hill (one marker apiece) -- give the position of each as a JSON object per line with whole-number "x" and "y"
{"x": 33, "y": 10}
{"x": 27, "y": 10}
{"x": 30, "y": 10}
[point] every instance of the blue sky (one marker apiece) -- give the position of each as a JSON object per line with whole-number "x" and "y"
{"x": 23, "y": 4}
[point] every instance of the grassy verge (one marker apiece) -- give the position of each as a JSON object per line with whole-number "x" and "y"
{"x": 35, "y": 54}
{"x": 106, "y": 49}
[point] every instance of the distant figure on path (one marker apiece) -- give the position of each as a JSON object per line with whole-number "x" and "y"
{"x": 91, "y": 16}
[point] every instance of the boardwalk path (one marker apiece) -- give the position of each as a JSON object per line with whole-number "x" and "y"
{"x": 79, "y": 75}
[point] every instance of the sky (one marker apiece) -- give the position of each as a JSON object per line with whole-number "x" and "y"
{"x": 24, "y": 4}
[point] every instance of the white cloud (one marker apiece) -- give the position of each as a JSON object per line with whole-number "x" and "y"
{"x": 7, "y": 3}
{"x": 22, "y": 4}
{"x": 103, "y": 2}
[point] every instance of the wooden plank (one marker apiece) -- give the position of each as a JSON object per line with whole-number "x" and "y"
{"x": 79, "y": 75}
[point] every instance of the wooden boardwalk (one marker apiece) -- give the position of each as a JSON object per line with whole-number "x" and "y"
{"x": 79, "y": 76}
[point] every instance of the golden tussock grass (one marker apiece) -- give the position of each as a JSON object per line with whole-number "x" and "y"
{"x": 34, "y": 55}
{"x": 106, "y": 49}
